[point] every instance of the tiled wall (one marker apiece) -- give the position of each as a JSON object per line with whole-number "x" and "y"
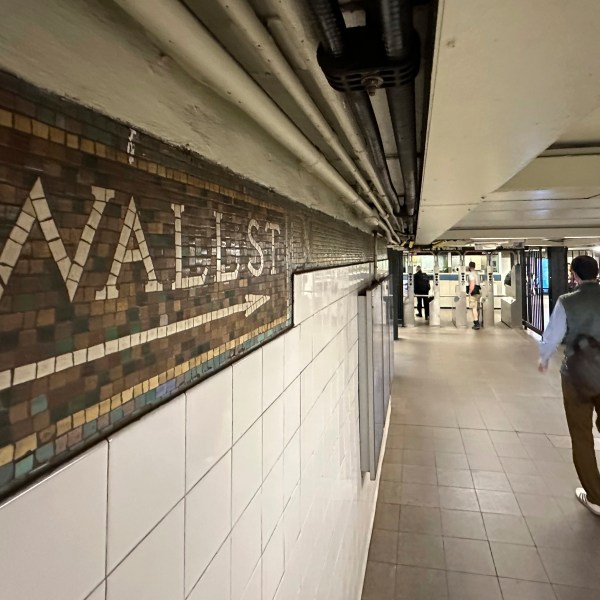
{"x": 129, "y": 270}
{"x": 246, "y": 487}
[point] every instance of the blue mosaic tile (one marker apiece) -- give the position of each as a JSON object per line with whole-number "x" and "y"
{"x": 45, "y": 453}
{"x": 7, "y": 473}
{"x": 90, "y": 428}
{"x": 140, "y": 402}
{"x": 39, "y": 404}
{"x": 116, "y": 415}
{"x": 23, "y": 466}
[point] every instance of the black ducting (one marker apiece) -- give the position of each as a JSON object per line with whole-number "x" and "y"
{"x": 398, "y": 40}
{"x": 384, "y": 54}
{"x": 333, "y": 34}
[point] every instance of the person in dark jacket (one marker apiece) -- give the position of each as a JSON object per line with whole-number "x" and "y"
{"x": 574, "y": 314}
{"x": 422, "y": 287}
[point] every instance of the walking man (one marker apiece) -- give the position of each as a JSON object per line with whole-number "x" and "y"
{"x": 574, "y": 314}
{"x": 422, "y": 287}
{"x": 474, "y": 294}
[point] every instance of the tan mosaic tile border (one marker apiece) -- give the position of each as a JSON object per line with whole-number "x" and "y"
{"x": 30, "y": 443}
{"x": 31, "y": 126}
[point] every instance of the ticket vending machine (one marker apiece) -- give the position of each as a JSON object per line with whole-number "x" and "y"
{"x": 459, "y": 308}
{"x": 434, "y": 305}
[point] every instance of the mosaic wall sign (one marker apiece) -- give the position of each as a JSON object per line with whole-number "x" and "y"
{"x": 129, "y": 270}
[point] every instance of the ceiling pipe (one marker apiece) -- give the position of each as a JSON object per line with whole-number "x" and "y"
{"x": 289, "y": 22}
{"x": 398, "y": 39}
{"x": 332, "y": 27}
{"x": 249, "y": 25}
{"x": 188, "y": 42}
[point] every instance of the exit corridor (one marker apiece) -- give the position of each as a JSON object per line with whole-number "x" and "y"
{"x": 476, "y": 497}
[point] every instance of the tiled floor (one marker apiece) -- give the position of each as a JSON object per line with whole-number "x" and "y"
{"x": 476, "y": 498}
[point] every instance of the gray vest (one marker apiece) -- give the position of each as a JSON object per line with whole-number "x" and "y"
{"x": 583, "y": 312}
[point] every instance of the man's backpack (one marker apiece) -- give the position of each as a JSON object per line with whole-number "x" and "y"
{"x": 583, "y": 365}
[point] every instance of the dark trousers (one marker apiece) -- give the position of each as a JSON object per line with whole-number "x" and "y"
{"x": 579, "y": 419}
{"x": 423, "y": 302}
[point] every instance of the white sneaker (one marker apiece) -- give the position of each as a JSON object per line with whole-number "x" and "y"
{"x": 582, "y": 497}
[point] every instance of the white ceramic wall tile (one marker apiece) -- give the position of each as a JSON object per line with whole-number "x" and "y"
{"x": 246, "y": 469}
{"x": 247, "y": 392}
{"x": 291, "y": 467}
{"x": 273, "y": 368}
{"x": 291, "y": 410}
{"x": 207, "y": 520}
{"x": 146, "y": 473}
{"x": 273, "y": 563}
{"x": 253, "y": 590}
{"x": 154, "y": 570}
{"x": 215, "y": 583}
{"x": 272, "y": 435}
{"x": 208, "y": 424}
{"x": 245, "y": 547}
{"x": 58, "y": 523}
{"x": 272, "y": 501}
{"x": 99, "y": 593}
{"x": 293, "y": 355}
{"x": 306, "y": 342}
{"x": 291, "y": 524}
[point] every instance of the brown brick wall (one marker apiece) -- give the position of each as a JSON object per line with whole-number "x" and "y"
{"x": 129, "y": 270}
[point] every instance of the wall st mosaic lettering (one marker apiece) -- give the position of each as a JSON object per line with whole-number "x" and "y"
{"x": 129, "y": 269}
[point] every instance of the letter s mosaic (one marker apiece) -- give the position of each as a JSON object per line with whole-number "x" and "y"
{"x": 129, "y": 270}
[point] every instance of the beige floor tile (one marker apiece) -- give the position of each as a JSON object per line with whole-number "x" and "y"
{"x": 417, "y": 583}
{"x": 418, "y": 550}
{"x": 523, "y": 466}
{"x": 387, "y": 516}
{"x": 422, "y": 458}
{"x": 498, "y": 502}
{"x": 511, "y": 450}
{"x": 463, "y": 524}
{"x": 391, "y": 472}
{"x": 420, "y": 519}
{"x": 528, "y": 484}
{"x": 564, "y": 592}
{"x": 454, "y": 478}
{"x": 415, "y": 474}
{"x": 390, "y": 492}
{"x": 458, "y": 498}
{"x": 491, "y": 480}
{"x": 380, "y": 581}
{"x": 450, "y": 460}
{"x": 468, "y": 556}
{"x": 534, "y": 505}
{"x": 417, "y": 494}
{"x": 511, "y": 529}
{"x": 516, "y": 589}
{"x": 484, "y": 463}
{"x": 518, "y": 562}
{"x": 466, "y": 586}
{"x": 571, "y": 567}
{"x": 384, "y": 545}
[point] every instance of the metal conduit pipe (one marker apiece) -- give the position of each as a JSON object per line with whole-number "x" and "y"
{"x": 289, "y": 22}
{"x": 331, "y": 24}
{"x": 188, "y": 42}
{"x": 397, "y": 30}
{"x": 250, "y": 26}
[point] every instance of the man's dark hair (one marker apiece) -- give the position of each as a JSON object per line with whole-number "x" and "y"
{"x": 585, "y": 267}
{"x": 472, "y": 265}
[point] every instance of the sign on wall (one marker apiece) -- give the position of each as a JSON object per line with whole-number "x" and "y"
{"x": 129, "y": 270}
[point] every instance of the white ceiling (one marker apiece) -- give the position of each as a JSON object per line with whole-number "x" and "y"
{"x": 509, "y": 80}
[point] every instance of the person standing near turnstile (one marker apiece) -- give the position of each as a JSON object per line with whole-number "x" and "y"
{"x": 422, "y": 287}
{"x": 474, "y": 294}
